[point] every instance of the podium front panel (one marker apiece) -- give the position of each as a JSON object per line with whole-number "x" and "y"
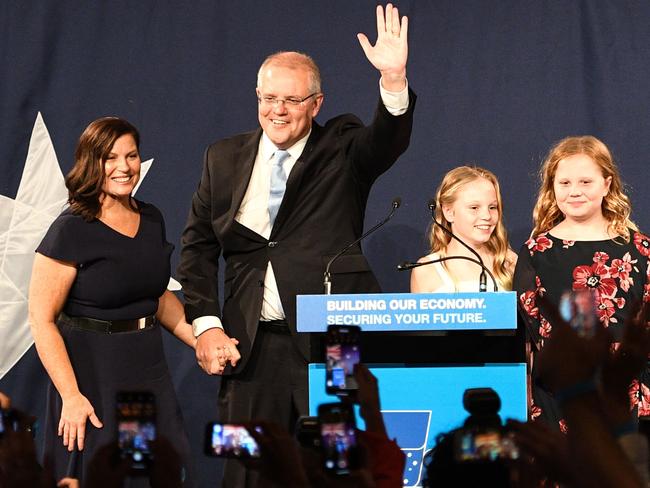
{"x": 418, "y": 403}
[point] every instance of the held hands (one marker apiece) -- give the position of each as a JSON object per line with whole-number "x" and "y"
{"x": 214, "y": 350}
{"x": 390, "y": 52}
{"x": 72, "y": 426}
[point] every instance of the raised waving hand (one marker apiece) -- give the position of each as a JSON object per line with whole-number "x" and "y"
{"x": 390, "y": 52}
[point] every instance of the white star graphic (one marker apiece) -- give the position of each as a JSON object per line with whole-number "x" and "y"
{"x": 41, "y": 197}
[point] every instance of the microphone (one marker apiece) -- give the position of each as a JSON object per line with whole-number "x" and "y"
{"x": 406, "y": 265}
{"x": 327, "y": 282}
{"x": 482, "y": 278}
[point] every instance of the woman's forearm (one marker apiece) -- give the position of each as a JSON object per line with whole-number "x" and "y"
{"x": 54, "y": 356}
{"x": 172, "y": 317}
{"x": 51, "y": 281}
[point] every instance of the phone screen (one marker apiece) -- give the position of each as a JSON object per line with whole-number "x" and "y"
{"x": 230, "y": 440}
{"x": 578, "y": 308}
{"x": 136, "y": 427}
{"x": 342, "y": 353}
{"x": 338, "y": 437}
{"x": 485, "y": 445}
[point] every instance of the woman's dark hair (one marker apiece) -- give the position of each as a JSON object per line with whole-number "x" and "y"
{"x": 86, "y": 179}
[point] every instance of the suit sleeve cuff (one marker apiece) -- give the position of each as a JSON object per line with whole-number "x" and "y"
{"x": 396, "y": 103}
{"x": 201, "y": 324}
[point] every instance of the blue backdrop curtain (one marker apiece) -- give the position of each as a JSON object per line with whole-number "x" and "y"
{"x": 498, "y": 82}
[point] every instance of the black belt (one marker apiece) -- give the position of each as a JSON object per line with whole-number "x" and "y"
{"x": 276, "y": 326}
{"x": 108, "y": 326}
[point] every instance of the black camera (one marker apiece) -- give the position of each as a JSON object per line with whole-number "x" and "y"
{"x": 482, "y": 437}
{"x": 478, "y": 453}
{"x": 308, "y": 432}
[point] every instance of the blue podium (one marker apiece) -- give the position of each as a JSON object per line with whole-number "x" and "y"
{"x": 426, "y": 350}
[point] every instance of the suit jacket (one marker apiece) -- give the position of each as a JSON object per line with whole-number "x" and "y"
{"x": 322, "y": 211}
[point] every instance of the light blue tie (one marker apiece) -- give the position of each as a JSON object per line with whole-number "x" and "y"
{"x": 278, "y": 183}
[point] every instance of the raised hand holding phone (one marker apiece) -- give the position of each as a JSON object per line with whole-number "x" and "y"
{"x": 339, "y": 447}
{"x": 230, "y": 440}
{"x": 342, "y": 354}
{"x": 578, "y": 308}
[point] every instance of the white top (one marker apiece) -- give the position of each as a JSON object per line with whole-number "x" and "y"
{"x": 448, "y": 284}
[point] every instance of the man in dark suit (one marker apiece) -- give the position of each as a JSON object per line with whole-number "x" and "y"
{"x": 277, "y": 203}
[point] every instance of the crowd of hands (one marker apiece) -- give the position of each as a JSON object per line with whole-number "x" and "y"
{"x": 589, "y": 454}
{"x": 598, "y": 372}
{"x": 19, "y": 466}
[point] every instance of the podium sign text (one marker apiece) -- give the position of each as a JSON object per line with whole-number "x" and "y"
{"x": 383, "y": 312}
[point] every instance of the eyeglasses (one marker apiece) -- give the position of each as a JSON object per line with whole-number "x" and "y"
{"x": 289, "y": 102}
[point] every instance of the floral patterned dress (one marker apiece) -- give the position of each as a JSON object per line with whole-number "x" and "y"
{"x": 617, "y": 271}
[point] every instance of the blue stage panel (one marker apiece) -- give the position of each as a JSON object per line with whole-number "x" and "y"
{"x": 419, "y": 403}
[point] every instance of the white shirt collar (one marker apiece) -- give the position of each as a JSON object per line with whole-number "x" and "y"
{"x": 267, "y": 148}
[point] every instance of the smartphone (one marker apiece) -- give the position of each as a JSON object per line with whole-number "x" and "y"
{"x": 136, "y": 428}
{"x": 341, "y": 354}
{"x": 230, "y": 440}
{"x": 338, "y": 438}
{"x": 578, "y": 308}
{"x": 308, "y": 432}
{"x": 474, "y": 444}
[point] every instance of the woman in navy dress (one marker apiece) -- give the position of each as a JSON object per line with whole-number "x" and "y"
{"x": 97, "y": 297}
{"x": 583, "y": 239}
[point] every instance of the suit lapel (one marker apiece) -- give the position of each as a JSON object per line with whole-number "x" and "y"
{"x": 244, "y": 162}
{"x": 295, "y": 179}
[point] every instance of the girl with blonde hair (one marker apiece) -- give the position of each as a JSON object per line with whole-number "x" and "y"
{"x": 615, "y": 207}
{"x": 468, "y": 203}
{"x": 582, "y": 239}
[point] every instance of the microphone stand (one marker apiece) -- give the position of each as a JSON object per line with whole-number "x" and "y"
{"x": 327, "y": 278}
{"x": 410, "y": 265}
